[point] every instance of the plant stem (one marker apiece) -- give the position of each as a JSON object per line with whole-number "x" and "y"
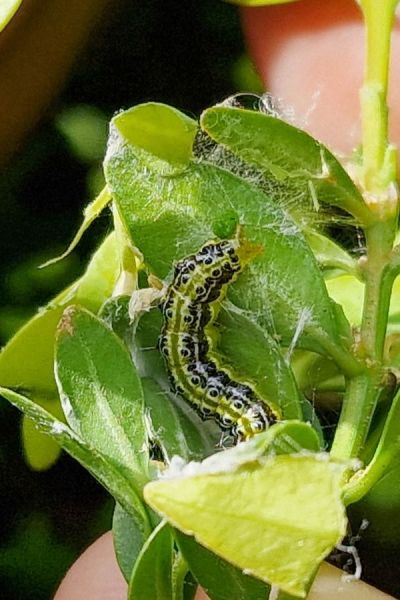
{"x": 363, "y": 390}
{"x": 379, "y": 158}
{"x": 179, "y": 571}
{"x": 378, "y": 175}
{"x": 386, "y": 455}
{"x": 379, "y": 278}
{"x": 359, "y": 401}
{"x": 345, "y": 359}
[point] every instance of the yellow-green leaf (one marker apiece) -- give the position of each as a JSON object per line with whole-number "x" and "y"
{"x": 275, "y": 520}
{"x": 159, "y": 129}
{"x": 8, "y": 8}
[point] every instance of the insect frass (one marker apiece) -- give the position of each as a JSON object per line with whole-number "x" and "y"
{"x": 190, "y": 307}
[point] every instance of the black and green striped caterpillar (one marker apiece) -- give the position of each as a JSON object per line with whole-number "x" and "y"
{"x": 190, "y": 306}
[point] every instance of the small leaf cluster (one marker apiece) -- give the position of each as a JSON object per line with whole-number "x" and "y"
{"x": 268, "y": 511}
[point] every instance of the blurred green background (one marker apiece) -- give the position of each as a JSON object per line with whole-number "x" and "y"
{"x": 189, "y": 54}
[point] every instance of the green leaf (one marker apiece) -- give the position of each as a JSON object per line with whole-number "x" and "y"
{"x": 286, "y": 437}
{"x": 329, "y": 254}
{"x": 394, "y": 317}
{"x": 385, "y": 459}
{"x": 26, "y": 361}
{"x": 277, "y": 520}
{"x": 348, "y": 292}
{"x": 128, "y": 540}
{"x": 159, "y": 129}
{"x": 115, "y": 313}
{"x": 97, "y": 283}
{"x": 152, "y": 575}
{"x": 289, "y": 437}
{"x": 219, "y": 579}
{"x": 172, "y": 429}
{"x": 41, "y": 451}
{"x": 254, "y": 355}
{"x": 8, "y": 8}
{"x": 314, "y": 372}
{"x": 175, "y": 425}
{"x": 116, "y": 479}
{"x": 91, "y": 212}
{"x": 380, "y": 509}
{"x": 101, "y": 392}
{"x": 287, "y": 154}
{"x": 170, "y": 217}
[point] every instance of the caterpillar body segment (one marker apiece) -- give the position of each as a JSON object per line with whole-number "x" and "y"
{"x": 190, "y": 306}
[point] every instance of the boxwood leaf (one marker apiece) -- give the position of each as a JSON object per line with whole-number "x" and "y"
{"x": 91, "y": 212}
{"x": 160, "y": 129}
{"x": 286, "y": 153}
{"x": 255, "y": 355}
{"x": 329, "y": 254}
{"x": 101, "y": 392}
{"x": 152, "y": 574}
{"x": 26, "y": 361}
{"x": 286, "y": 437}
{"x": 171, "y": 216}
{"x": 7, "y": 10}
{"x": 276, "y": 520}
{"x": 220, "y": 579}
{"x": 115, "y": 478}
{"x": 40, "y": 451}
{"x": 175, "y": 429}
{"x": 348, "y": 291}
{"x": 128, "y": 539}
{"x": 386, "y": 457}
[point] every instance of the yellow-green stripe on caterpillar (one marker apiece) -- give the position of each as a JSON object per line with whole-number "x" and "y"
{"x": 189, "y": 306}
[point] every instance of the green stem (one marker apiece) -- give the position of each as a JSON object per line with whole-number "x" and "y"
{"x": 345, "y": 360}
{"x": 378, "y": 177}
{"x": 179, "y": 572}
{"x": 379, "y": 279}
{"x": 358, "y": 405}
{"x": 386, "y": 456}
{"x": 379, "y": 158}
{"x": 363, "y": 390}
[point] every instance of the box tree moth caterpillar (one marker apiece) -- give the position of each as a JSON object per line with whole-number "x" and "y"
{"x": 190, "y": 306}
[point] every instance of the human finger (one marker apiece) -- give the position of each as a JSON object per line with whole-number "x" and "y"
{"x": 310, "y": 55}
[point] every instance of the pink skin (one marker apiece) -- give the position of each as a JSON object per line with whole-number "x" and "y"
{"x": 96, "y": 575}
{"x": 309, "y": 55}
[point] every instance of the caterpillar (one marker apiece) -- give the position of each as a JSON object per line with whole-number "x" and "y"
{"x": 189, "y": 306}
